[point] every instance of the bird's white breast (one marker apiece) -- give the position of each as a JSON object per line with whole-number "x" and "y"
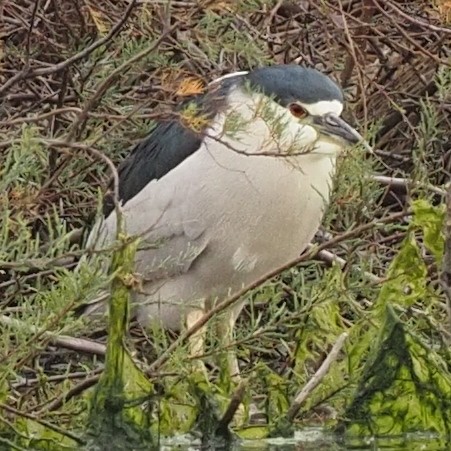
{"x": 250, "y": 213}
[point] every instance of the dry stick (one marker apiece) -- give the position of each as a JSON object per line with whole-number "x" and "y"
{"x": 316, "y": 378}
{"x": 80, "y": 388}
{"x": 26, "y": 72}
{"x": 107, "y": 82}
{"x": 407, "y": 37}
{"x": 416, "y": 21}
{"x": 273, "y": 11}
{"x": 37, "y": 335}
{"x": 40, "y": 117}
{"x": 234, "y": 403}
{"x": 29, "y": 33}
{"x": 63, "y": 341}
{"x": 97, "y": 154}
{"x": 331, "y": 258}
{"x": 355, "y": 59}
{"x": 27, "y": 383}
{"x": 74, "y": 391}
{"x": 43, "y": 422}
{"x": 404, "y": 183}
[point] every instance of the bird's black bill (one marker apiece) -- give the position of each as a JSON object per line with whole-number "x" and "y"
{"x": 333, "y": 125}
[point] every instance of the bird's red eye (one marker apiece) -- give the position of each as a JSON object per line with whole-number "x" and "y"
{"x": 297, "y": 111}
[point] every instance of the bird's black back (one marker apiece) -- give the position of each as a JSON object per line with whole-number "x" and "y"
{"x": 169, "y": 143}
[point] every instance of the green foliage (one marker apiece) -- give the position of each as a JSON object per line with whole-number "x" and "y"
{"x": 406, "y": 281}
{"x": 391, "y": 377}
{"x": 406, "y": 386}
{"x": 430, "y": 220}
{"x": 389, "y": 380}
{"x": 24, "y": 162}
{"x": 40, "y": 437}
{"x": 177, "y": 410}
{"x": 213, "y": 26}
{"x": 355, "y": 196}
{"x": 116, "y": 411}
{"x": 235, "y": 125}
{"x": 323, "y": 315}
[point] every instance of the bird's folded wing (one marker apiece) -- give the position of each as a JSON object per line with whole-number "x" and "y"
{"x": 169, "y": 239}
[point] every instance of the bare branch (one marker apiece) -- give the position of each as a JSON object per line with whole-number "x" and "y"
{"x": 30, "y": 73}
{"x": 316, "y": 378}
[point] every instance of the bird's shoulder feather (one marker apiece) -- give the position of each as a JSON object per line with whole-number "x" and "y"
{"x": 170, "y": 142}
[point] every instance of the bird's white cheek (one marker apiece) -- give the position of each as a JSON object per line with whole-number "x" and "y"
{"x": 308, "y": 134}
{"x": 300, "y": 138}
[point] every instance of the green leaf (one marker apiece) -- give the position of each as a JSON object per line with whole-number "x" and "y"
{"x": 406, "y": 387}
{"x": 253, "y": 433}
{"x": 406, "y": 276}
{"x": 430, "y": 220}
{"x": 41, "y": 437}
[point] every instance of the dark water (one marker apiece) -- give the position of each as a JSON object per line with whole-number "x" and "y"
{"x": 316, "y": 440}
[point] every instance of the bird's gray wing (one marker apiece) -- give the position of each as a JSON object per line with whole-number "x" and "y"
{"x": 169, "y": 242}
{"x": 169, "y": 143}
{"x": 165, "y": 250}
{"x": 172, "y": 235}
{"x": 166, "y": 147}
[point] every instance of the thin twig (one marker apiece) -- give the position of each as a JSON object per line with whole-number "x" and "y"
{"x": 30, "y": 382}
{"x": 43, "y": 422}
{"x": 416, "y": 21}
{"x": 404, "y": 183}
{"x": 316, "y": 378}
{"x": 235, "y": 401}
{"x": 108, "y": 81}
{"x": 62, "y": 341}
{"x": 74, "y": 391}
{"x": 28, "y": 73}
{"x": 30, "y": 32}
{"x": 96, "y": 153}
{"x": 331, "y": 258}
{"x": 407, "y": 37}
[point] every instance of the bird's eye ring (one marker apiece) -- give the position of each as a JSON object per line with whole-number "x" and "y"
{"x": 297, "y": 111}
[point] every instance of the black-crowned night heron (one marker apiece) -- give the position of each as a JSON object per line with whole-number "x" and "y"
{"x": 233, "y": 187}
